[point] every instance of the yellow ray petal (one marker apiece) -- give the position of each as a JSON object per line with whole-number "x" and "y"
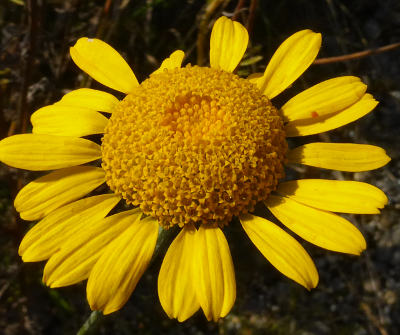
{"x": 281, "y": 250}
{"x": 216, "y": 286}
{"x": 89, "y": 98}
{"x": 45, "y": 152}
{"x": 328, "y": 97}
{"x": 335, "y": 195}
{"x": 288, "y": 63}
{"x": 319, "y": 124}
{"x": 47, "y": 236}
{"x": 339, "y": 156}
{"x": 67, "y": 121}
{"x": 176, "y": 281}
{"x": 116, "y": 273}
{"x": 77, "y": 257}
{"x": 172, "y": 62}
{"x": 47, "y": 193}
{"x": 324, "y": 229}
{"x": 104, "y": 64}
{"x": 228, "y": 43}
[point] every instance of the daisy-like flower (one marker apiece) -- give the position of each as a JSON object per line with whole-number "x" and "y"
{"x": 189, "y": 147}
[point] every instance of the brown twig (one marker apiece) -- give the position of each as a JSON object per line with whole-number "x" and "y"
{"x": 357, "y": 55}
{"x": 252, "y": 12}
{"x": 107, "y": 6}
{"x": 203, "y": 29}
{"x": 374, "y": 320}
{"x": 237, "y": 10}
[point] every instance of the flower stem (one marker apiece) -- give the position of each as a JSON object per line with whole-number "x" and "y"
{"x": 91, "y": 323}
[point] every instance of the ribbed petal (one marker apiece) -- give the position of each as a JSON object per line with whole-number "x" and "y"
{"x": 48, "y": 236}
{"x": 116, "y": 273}
{"x": 215, "y": 276}
{"x": 104, "y": 64}
{"x": 176, "y": 281}
{"x": 319, "y": 124}
{"x": 67, "y": 121}
{"x": 47, "y": 193}
{"x": 228, "y": 43}
{"x": 78, "y": 255}
{"x": 335, "y": 195}
{"x": 328, "y": 97}
{"x": 281, "y": 250}
{"x": 172, "y": 62}
{"x": 324, "y": 229}
{"x": 339, "y": 156}
{"x": 89, "y": 98}
{"x": 45, "y": 152}
{"x": 289, "y": 62}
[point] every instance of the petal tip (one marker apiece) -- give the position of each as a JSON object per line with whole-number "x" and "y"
{"x": 108, "y": 310}
{"x": 359, "y": 249}
{"x": 29, "y": 258}
{"x": 311, "y": 281}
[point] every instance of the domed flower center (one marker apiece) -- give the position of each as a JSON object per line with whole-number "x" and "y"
{"x": 194, "y": 145}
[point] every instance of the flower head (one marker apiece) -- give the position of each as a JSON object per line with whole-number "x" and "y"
{"x": 190, "y": 147}
{"x": 194, "y": 145}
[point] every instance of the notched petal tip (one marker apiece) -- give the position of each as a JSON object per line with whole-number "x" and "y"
{"x": 216, "y": 290}
{"x": 229, "y": 40}
{"x": 172, "y": 62}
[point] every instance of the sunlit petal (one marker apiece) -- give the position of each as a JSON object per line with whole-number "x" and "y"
{"x": 104, "y": 64}
{"x": 328, "y": 97}
{"x": 89, "y": 98}
{"x": 62, "y": 120}
{"x": 228, "y": 43}
{"x": 316, "y": 124}
{"x": 339, "y": 156}
{"x": 322, "y": 228}
{"x": 117, "y": 272}
{"x": 216, "y": 286}
{"x": 281, "y": 249}
{"x": 46, "y": 152}
{"x": 335, "y": 195}
{"x": 172, "y": 62}
{"x": 76, "y": 258}
{"x": 47, "y": 236}
{"x": 47, "y": 193}
{"x": 289, "y": 62}
{"x": 176, "y": 281}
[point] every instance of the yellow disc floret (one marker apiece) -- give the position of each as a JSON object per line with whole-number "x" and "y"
{"x": 194, "y": 145}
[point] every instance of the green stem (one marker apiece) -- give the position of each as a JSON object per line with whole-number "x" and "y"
{"x": 91, "y": 323}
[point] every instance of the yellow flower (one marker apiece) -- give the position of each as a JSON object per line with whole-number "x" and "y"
{"x": 189, "y": 147}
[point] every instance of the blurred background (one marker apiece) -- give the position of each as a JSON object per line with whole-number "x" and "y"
{"x": 356, "y": 295}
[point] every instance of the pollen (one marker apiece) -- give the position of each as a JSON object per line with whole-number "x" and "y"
{"x": 194, "y": 145}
